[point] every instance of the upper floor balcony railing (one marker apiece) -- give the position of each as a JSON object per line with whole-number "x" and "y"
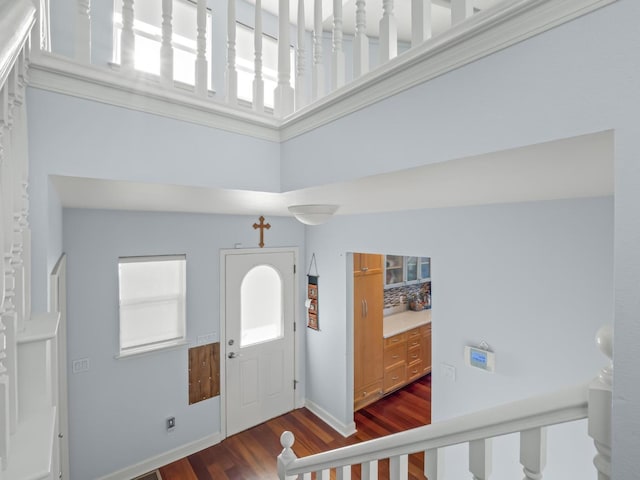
{"x": 276, "y": 62}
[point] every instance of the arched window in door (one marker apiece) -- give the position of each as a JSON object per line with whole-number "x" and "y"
{"x": 260, "y": 306}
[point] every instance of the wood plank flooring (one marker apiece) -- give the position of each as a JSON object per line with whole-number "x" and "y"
{"x": 251, "y": 455}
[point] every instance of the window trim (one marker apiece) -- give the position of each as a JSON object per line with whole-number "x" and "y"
{"x": 160, "y": 345}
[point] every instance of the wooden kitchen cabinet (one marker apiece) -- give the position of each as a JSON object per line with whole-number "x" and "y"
{"x": 367, "y": 264}
{"x": 406, "y": 356}
{"x": 425, "y": 330}
{"x": 368, "y": 340}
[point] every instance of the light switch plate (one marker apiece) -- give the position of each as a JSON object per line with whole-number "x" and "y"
{"x": 448, "y": 371}
{"x": 80, "y": 365}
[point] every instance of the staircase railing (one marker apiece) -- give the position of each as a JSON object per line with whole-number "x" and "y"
{"x": 286, "y": 98}
{"x": 17, "y": 20}
{"x": 528, "y": 417}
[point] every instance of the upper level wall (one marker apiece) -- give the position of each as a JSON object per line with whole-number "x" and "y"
{"x": 70, "y": 136}
{"x": 578, "y": 78}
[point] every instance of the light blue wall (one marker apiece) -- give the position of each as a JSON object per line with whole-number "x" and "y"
{"x": 533, "y": 280}
{"x": 75, "y": 137}
{"x": 118, "y": 408}
{"x": 581, "y": 77}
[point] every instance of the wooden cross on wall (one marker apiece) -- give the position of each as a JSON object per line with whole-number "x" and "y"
{"x": 261, "y": 226}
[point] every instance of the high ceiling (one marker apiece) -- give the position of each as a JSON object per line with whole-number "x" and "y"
{"x": 569, "y": 168}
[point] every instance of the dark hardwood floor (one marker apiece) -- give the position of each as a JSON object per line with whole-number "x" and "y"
{"x": 251, "y": 455}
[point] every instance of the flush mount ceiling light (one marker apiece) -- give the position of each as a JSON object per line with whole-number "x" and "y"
{"x": 313, "y": 214}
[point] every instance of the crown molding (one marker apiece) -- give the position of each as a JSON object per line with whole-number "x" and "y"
{"x": 481, "y": 35}
{"x": 60, "y": 74}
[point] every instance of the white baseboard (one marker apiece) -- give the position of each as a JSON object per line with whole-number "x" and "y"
{"x": 164, "y": 458}
{"x": 343, "y": 429}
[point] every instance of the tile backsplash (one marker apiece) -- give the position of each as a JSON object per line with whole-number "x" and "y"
{"x": 393, "y": 296}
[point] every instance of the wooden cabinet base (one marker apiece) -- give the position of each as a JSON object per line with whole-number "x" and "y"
{"x": 367, "y": 395}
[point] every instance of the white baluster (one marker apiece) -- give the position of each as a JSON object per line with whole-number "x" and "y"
{"x": 388, "y": 33}
{"x": 600, "y": 392}
{"x": 258, "y": 80}
{"x": 369, "y": 470}
{"x": 461, "y": 10}
{"x": 323, "y": 475}
{"x": 301, "y": 91}
{"x": 533, "y": 452}
{"x": 398, "y": 467}
{"x": 286, "y": 456}
{"x": 83, "y": 31}
{"x": 166, "y": 50}
{"x": 318, "y": 65}
{"x": 420, "y": 21}
{"x": 360, "y": 41}
{"x": 434, "y": 463}
{"x": 480, "y": 459}
{"x": 127, "y": 38}
{"x": 338, "y": 71}
{"x": 343, "y": 473}
{"x": 202, "y": 73}
{"x": 232, "y": 74}
{"x": 283, "y": 95}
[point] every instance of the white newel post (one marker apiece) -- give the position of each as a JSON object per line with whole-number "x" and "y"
{"x": 533, "y": 452}
{"x": 338, "y": 71}
{"x": 166, "y": 50}
{"x": 127, "y": 39}
{"x": 232, "y": 74}
{"x": 258, "y": 80}
{"x": 83, "y": 31}
{"x": 318, "y": 65}
{"x": 286, "y": 456}
{"x": 461, "y": 10}
{"x": 202, "y": 72}
{"x": 283, "y": 95}
{"x": 4, "y": 373}
{"x": 420, "y": 21}
{"x": 360, "y": 41}
{"x": 600, "y": 392}
{"x": 480, "y": 452}
{"x": 301, "y": 91}
{"x": 388, "y": 33}
{"x": 9, "y": 315}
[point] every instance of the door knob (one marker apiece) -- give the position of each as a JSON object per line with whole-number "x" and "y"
{"x": 232, "y": 355}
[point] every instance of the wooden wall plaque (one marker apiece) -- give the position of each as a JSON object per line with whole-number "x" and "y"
{"x": 204, "y": 372}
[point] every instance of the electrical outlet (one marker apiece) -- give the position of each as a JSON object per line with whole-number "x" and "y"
{"x": 171, "y": 424}
{"x": 206, "y": 339}
{"x": 448, "y": 371}
{"x": 80, "y": 365}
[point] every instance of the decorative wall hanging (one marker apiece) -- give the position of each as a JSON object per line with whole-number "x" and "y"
{"x": 312, "y": 295}
{"x": 261, "y": 226}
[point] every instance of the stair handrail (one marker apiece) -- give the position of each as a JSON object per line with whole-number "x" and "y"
{"x": 16, "y": 21}
{"x": 529, "y": 417}
{"x": 566, "y": 405}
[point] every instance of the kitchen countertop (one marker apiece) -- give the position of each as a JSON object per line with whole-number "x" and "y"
{"x": 403, "y": 321}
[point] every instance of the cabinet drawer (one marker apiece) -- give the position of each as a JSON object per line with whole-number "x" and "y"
{"x": 395, "y": 354}
{"x": 396, "y": 339}
{"x": 414, "y": 354}
{"x": 415, "y": 370}
{"x": 425, "y": 329}
{"x": 414, "y": 342}
{"x": 413, "y": 334}
{"x": 395, "y": 377}
{"x": 366, "y": 395}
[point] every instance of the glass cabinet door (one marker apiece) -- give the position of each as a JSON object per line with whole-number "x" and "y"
{"x": 424, "y": 267}
{"x": 412, "y": 269}
{"x": 394, "y": 268}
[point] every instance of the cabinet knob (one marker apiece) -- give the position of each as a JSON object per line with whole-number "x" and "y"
{"x": 364, "y": 394}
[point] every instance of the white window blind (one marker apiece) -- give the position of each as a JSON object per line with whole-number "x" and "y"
{"x": 152, "y": 293}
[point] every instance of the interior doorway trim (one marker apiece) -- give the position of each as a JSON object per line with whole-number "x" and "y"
{"x": 298, "y": 369}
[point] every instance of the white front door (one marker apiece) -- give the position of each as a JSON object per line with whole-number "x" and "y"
{"x": 259, "y": 318}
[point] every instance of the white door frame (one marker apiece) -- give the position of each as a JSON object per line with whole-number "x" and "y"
{"x": 298, "y": 400}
